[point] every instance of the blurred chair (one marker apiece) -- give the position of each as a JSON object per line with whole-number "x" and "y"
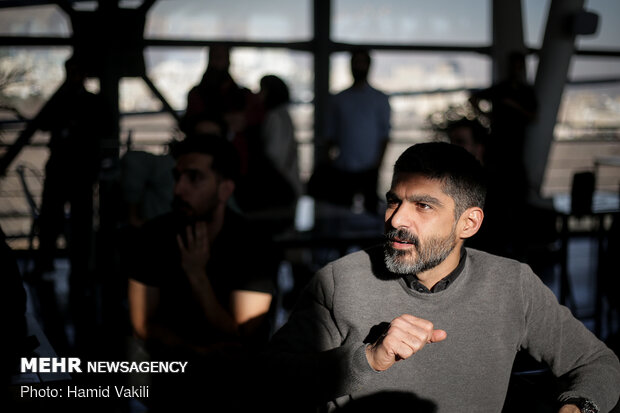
{"x": 582, "y": 193}
{"x": 34, "y": 208}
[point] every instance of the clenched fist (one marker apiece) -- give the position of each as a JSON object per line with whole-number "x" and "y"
{"x": 405, "y": 336}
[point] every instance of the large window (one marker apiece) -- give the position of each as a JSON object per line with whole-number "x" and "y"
{"x": 281, "y": 20}
{"x": 176, "y": 70}
{"x": 276, "y": 37}
{"x": 419, "y": 84}
{"x": 591, "y": 104}
{"x": 34, "y": 21}
{"x": 535, "y": 18}
{"x": 32, "y": 75}
{"x": 608, "y": 33}
{"x": 411, "y": 22}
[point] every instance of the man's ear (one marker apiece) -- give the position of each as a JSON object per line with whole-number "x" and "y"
{"x": 470, "y": 222}
{"x": 225, "y": 189}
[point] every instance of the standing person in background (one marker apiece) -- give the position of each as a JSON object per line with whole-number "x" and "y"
{"x": 217, "y": 90}
{"x": 513, "y": 107}
{"x": 358, "y": 130}
{"x": 278, "y": 132}
{"x": 264, "y": 137}
{"x": 77, "y": 121}
{"x": 470, "y": 134}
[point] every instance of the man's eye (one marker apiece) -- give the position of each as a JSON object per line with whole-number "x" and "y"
{"x": 193, "y": 176}
{"x": 422, "y": 205}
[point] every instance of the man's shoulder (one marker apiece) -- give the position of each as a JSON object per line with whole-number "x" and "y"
{"x": 158, "y": 228}
{"x": 360, "y": 264}
{"x": 490, "y": 266}
{"x": 235, "y": 222}
{"x": 164, "y": 220}
{"x": 238, "y": 226}
{"x": 349, "y": 276}
{"x": 367, "y": 89}
{"x": 480, "y": 257}
{"x": 256, "y": 270}
{"x": 194, "y": 90}
{"x": 377, "y": 92}
{"x": 154, "y": 251}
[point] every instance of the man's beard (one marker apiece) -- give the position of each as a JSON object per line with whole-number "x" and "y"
{"x": 186, "y": 215}
{"x": 429, "y": 255}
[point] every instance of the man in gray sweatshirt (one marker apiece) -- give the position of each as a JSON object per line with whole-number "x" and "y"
{"x": 424, "y": 321}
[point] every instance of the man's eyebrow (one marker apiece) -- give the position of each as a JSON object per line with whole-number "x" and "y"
{"x": 187, "y": 170}
{"x": 425, "y": 199}
{"x": 391, "y": 195}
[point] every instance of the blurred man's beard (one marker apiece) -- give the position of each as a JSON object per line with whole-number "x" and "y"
{"x": 427, "y": 256}
{"x": 184, "y": 212}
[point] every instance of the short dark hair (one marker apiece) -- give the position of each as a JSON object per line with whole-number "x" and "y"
{"x": 76, "y": 64}
{"x": 461, "y": 174}
{"x": 479, "y": 133}
{"x": 225, "y": 157}
{"x": 361, "y": 52}
{"x": 277, "y": 91}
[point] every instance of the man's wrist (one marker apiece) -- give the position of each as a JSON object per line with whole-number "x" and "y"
{"x": 569, "y": 408}
{"x": 369, "y": 358}
{"x": 197, "y": 276}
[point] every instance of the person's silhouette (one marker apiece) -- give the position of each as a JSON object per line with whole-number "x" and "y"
{"x": 358, "y": 131}
{"x": 77, "y": 121}
{"x": 278, "y": 131}
{"x": 513, "y": 107}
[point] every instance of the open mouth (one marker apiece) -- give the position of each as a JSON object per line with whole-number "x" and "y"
{"x": 401, "y": 241}
{"x": 398, "y": 243}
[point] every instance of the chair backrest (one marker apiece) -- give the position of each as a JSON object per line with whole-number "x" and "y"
{"x": 34, "y": 209}
{"x": 582, "y": 193}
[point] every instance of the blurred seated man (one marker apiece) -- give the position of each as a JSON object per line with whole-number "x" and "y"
{"x": 201, "y": 286}
{"x": 146, "y": 184}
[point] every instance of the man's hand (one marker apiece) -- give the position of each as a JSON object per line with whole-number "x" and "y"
{"x": 406, "y": 336}
{"x": 194, "y": 255}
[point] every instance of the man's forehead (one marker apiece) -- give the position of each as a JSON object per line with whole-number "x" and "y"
{"x": 416, "y": 186}
{"x": 413, "y": 179}
{"x": 194, "y": 160}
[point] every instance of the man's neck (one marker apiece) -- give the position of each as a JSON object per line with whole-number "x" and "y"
{"x": 215, "y": 225}
{"x": 358, "y": 84}
{"x": 431, "y": 277}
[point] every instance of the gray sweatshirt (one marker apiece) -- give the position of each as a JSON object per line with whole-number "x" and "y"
{"x": 494, "y": 308}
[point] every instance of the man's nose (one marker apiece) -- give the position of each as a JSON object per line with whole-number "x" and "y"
{"x": 179, "y": 187}
{"x": 400, "y": 217}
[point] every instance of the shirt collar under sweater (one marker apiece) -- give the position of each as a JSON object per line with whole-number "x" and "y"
{"x": 414, "y": 283}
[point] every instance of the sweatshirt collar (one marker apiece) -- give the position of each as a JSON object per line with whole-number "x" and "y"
{"x": 412, "y": 281}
